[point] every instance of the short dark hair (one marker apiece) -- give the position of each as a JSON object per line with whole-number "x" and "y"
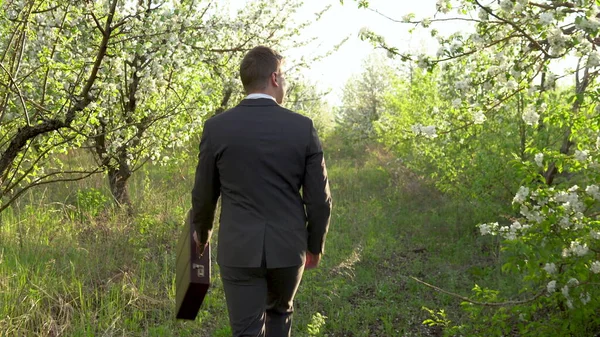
{"x": 257, "y": 66}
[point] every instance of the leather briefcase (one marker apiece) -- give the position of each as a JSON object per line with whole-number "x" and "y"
{"x": 192, "y": 275}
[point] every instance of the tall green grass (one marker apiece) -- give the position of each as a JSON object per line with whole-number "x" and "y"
{"x": 72, "y": 265}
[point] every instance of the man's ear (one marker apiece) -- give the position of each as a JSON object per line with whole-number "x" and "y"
{"x": 274, "y": 80}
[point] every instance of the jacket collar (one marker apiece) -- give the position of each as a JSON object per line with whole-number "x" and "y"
{"x": 258, "y": 102}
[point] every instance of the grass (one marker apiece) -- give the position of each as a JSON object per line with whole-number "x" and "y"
{"x": 71, "y": 266}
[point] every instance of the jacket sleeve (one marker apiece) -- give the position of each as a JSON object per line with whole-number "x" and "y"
{"x": 207, "y": 188}
{"x": 316, "y": 194}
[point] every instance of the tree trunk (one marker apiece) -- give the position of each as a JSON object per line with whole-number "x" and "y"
{"x": 117, "y": 179}
{"x": 581, "y": 87}
{"x": 226, "y": 96}
{"x": 118, "y": 176}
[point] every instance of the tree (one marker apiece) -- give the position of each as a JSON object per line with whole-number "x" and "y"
{"x": 161, "y": 69}
{"x": 50, "y": 59}
{"x": 504, "y": 70}
{"x": 363, "y": 98}
{"x": 304, "y": 97}
{"x": 176, "y": 69}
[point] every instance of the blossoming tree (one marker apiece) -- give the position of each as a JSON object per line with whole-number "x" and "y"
{"x": 176, "y": 66}
{"x": 131, "y": 81}
{"x": 363, "y": 98}
{"x": 537, "y": 63}
{"x": 51, "y": 56}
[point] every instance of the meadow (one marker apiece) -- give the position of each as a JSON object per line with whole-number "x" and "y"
{"x": 72, "y": 265}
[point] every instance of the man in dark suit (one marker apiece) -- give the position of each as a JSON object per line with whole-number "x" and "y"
{"x": 266, "y": 163}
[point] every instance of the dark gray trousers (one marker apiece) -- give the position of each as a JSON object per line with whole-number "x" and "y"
{"x": 260, "y": 301}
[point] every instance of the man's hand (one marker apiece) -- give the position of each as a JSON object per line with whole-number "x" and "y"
{"x": 312, "y": 260}
{"x": 200, "y": 247}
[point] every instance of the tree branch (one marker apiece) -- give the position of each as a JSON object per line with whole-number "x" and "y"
{"x": 516, "y": 27}
{"x": 98, "y": 25}
{"x": 12, "y": 81}
{"x": 486, "y": 304}
{"x": 431, "y": 20}
{"x": 38, "y": 183}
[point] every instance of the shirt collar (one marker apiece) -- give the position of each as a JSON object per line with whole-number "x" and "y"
{"x": 260, "y": 95}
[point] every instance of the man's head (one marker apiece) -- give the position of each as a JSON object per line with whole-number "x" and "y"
{"x": 261, "y": 72}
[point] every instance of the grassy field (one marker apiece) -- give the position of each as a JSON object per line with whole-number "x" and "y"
{"x": 70, "y": 266}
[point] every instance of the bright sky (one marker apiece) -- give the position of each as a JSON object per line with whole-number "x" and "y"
{"x": 346, "y": 21}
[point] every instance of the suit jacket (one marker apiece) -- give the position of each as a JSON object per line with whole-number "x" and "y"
{"x": 258, "y": 157}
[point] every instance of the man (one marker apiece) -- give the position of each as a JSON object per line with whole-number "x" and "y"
{"x": 258, "y": 157}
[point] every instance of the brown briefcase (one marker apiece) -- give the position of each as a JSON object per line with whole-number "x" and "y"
{"x": 192, "y": 275}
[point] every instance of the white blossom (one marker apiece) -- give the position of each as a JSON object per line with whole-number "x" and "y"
{"x": 440, "y": 52}
{"x": 532, "y": 89}
{"x": 565, "y": 222}
{"x": 519, "y": 8}
{"x": 521, "y": 195}
{"x": 584, "y": 46}
{"x": 423, "y": 62}
{"x": 500, "y": 58}
{"x": 456, "y": 102}
{"x": 539, "y": 159}
{"x": 477, "y": 40}
{"x": 455, "y": 46}
{"x": 595, "y": 267}
{"x": 550, "y": 268}
{"x": 515, "y": 226}
{"x": 565, "y": 291}
{"x": 595, "y": 234}
{"x": 551, "y": 286}
{"x": 488, "y": 228}
{"x": 427, "y": 131}
{"x": 530, "y": 117}
{"x": 593, "y": 59}
{"x": 593, "y": 191}
{"x": 478, "y": 117}
{"x": 483, "y": 15}
{"x": 515, "y": 73}
{"x": 585, "y": 298}
{"x": 363, "y": 31}
{"x": 507, "y": 5}
{"x": 557, "y": 41}
{"x": 532, "y": 214}
{"x": 570, "y": 200}
{"x": 588, "y": 24}
{"x": 462, "y": 86}
{"x": 569, "y": 304}
{"x": 443, "y": 6}
{"x": 550, "y": 80}
{"x": 576, "y": 249}
{"x": 546, "y": 18}
{"x": 511, "y": 85}
{"x": 581, "y": 155}
{"x": 505, "y": 232}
